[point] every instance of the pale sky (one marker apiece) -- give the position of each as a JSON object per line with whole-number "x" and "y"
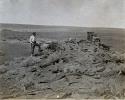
{"x": 84, "y": 13}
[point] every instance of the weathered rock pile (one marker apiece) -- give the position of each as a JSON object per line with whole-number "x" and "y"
{"x": 65, "y": 69}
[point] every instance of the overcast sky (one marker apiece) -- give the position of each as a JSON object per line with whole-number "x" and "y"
{"x": 85, "y": 13}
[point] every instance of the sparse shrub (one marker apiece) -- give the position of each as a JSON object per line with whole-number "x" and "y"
{"x": 54, "y": 46}
{"x": 29, "y": 62}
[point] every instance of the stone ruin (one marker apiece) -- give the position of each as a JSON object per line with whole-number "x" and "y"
{"x": 67, "y": 69}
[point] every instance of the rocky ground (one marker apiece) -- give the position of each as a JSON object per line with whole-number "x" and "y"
{"x": 65, "y": 69}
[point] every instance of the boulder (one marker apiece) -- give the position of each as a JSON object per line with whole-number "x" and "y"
{"x": 3, "y": 69}
{"x": 72, "y": 68}
{"x": 33, "y": 69}
{"x": 2, "y": 53}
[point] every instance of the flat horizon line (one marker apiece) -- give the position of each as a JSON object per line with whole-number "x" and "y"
{"x": 58, "y": 26}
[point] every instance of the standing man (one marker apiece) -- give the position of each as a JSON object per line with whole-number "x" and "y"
{"x": 34, "y": 43}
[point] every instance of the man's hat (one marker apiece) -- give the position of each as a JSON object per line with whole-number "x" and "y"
{"x": 34, "y": 33}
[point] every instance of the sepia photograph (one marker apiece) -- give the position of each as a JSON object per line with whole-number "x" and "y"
{"x": 62, "y": 49}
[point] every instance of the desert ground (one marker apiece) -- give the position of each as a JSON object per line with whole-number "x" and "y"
{"x": 66, "y": 68}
